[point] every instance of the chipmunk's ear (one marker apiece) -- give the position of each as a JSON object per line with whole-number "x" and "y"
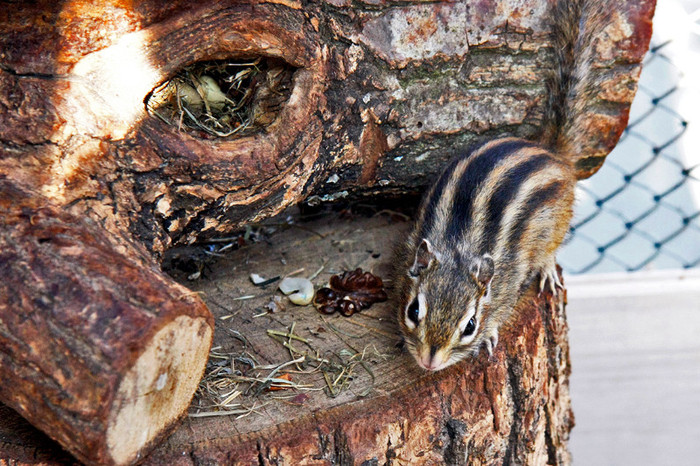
{"x": 425, "y": 255}
{"x": 481, "y": 269}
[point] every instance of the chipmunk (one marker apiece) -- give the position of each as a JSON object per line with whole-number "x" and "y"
{"x": 495, "y": 218}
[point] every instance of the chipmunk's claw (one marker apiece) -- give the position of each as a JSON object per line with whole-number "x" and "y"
{"x": 550, "y": 276}
{"x": 491, "y": 341}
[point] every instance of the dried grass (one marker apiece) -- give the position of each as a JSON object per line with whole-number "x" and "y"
{"x": 235, "y": 384}
{"x": 222, "y": 98}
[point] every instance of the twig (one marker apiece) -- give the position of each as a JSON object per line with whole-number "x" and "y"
{"x": 371, "y": 329}
{"x": 287, "y": 335}
{"x": 242, "y": 298}
{"x": 317, "y": 273}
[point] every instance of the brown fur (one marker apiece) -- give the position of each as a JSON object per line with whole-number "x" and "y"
{"x": 449, "y": 277}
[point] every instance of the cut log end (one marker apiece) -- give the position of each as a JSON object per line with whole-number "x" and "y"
{"x": 158, "y": 388}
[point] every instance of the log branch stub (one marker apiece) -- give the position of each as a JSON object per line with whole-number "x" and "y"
{"x": 99, "y": 349}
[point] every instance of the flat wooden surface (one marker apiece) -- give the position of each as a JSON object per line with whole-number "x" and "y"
{"x": 320, "y": 248}
{"x": 635, "y": 355}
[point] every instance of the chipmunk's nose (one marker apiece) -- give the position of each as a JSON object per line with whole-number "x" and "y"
{"x": 433, "y": 359}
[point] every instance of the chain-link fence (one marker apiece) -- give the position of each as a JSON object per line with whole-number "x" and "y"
{"x": 642, "y": 209}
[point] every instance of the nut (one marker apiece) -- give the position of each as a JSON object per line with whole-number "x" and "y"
{"x": 350, "y": 292}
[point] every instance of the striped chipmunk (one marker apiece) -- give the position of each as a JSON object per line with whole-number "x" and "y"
{"x": 495, "y": 218}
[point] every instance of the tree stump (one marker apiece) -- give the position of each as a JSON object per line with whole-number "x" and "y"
{"x": 512, "y": 408}
{"x": 97, "y": 181}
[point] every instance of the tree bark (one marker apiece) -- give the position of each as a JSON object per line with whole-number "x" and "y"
{"x": 94, "y": 188}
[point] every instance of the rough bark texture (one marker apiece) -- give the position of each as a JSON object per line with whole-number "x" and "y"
{"x": 93, "y": 189}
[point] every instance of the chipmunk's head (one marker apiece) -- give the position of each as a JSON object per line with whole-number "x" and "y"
{"x": 442, "y": 307}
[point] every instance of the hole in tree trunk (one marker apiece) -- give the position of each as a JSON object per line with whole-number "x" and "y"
{"x": 223, "y": 98}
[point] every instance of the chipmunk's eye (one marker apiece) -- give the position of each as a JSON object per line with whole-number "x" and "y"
{"x": 470, "y": 328}
{"x": 413, "y": 311}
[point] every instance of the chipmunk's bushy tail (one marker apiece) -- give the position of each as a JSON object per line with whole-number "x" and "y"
{"x": 571, "y": 87}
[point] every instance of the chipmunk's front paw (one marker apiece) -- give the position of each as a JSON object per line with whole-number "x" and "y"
{"x": 550, "y": 277}
{"x": 491, "y": 341}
